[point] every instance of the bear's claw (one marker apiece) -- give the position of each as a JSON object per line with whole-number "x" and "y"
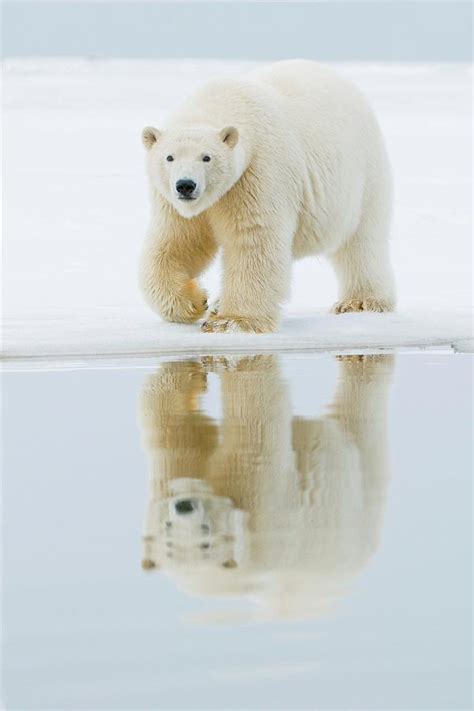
{"x": 216, "y": 325}
{"x": 214, "y": 308}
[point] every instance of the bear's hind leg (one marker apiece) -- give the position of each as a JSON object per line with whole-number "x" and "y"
{"x": 364, "y": 272}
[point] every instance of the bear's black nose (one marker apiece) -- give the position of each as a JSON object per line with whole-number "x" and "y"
{"x": 185, "y": 187}
{"x": 184, "y": 506}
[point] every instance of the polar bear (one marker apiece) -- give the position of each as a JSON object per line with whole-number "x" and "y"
{"x": 286, "y": 162}
{"x": 260, "y": 503}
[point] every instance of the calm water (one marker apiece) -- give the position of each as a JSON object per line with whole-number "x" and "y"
{"x": 268, "y": 532}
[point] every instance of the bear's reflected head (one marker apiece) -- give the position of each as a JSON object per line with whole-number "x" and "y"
{"x": 194, "y": 529}
{"x": 193, "y": 168}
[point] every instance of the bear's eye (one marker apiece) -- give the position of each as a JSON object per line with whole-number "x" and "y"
{"x": 206, "y": 159}
{"x": 169, "y": 159}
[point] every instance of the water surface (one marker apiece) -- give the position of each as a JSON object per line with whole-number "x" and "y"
{"x": 276, "y": 532}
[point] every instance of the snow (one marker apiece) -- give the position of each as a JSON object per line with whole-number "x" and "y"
{"x": 76, "y": 211}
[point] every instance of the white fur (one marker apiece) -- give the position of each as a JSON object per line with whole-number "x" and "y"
{"x": 298, "y": 167}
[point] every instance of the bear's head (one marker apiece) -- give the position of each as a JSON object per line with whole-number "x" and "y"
{"x": 193, "y": 168}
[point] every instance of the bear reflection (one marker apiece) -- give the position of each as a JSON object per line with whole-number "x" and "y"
{"x": 286, "y": 510}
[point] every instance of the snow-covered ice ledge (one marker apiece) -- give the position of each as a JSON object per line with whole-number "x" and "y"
{"x": 119, "y": 334}
{"x": 76, "y": 210}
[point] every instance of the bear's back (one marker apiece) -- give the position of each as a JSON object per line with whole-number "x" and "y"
{"x": 310, "y": 81}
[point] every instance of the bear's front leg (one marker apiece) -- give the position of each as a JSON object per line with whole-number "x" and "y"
{"x": 176, "y": 251}
{"x": 256, "y": 278}
{"x": 175, "y": 297}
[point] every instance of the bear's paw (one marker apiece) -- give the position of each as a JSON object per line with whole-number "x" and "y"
{"x": 187, "y": 306}
{"x": 220, "y": 323}
{"x": 357, "y": 305}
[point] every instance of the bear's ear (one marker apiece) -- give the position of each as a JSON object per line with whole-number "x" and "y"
{"x": 229, "y": 135}
{"x": 150, "y": 136}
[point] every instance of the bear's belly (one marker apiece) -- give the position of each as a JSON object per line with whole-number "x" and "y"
{"x": 310, "y": 236}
